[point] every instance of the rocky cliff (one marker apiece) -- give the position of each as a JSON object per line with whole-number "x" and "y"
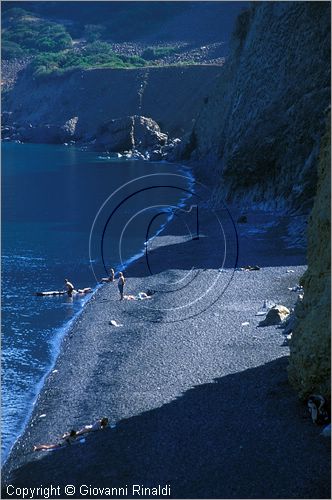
{"x": 172, "y": 96}
{"x": 310, "y": 360}
{"x": 256, "y": 136}
{"x": 259, "y": 130}
{"x": 258, "y": 139}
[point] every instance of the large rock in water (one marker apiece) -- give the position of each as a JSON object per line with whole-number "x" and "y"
{"x": 69, "y": 129}
{"x": 128, "y": 133}
{"x": 310, "y": 350}
{"x": 147, "y": 133}
{"x": 49, "y": 133}
{"x": 116, "y": 135}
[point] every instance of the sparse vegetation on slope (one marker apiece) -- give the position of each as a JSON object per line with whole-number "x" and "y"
{"x": 25, "y": 34}
{"x": 152, "y": 53}
{"x": 94, "y": 55}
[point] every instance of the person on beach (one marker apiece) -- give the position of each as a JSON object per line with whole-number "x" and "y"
{"x": 98, "y": 425}
{"x": 67, "y": 439}
{"x": 111, "y": 277}
{"x": 121, "y": 284}
{"x": 70, "y": 287}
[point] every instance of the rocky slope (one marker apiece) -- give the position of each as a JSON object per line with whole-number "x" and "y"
{"x": 259, "y": 130}
{"x": 310, "y": 360}
{"x": 258, "y": 138}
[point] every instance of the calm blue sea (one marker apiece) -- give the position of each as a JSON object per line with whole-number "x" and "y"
{"x": 65, "y": 214}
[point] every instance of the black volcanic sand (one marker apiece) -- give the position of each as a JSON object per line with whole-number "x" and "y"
{"x": 199, "y": 401}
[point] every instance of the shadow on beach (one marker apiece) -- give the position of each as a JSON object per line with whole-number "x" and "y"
{"x": 222, "y": 243}
{"x": 241, "y": 436}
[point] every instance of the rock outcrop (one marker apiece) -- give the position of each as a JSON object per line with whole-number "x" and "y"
{"x": 258, "y": 133}
{"x": 44, "y": 133}
{"x": 310, "y": 359}
{"x": 116, "y": 135}
{"x": 130, "y": 133}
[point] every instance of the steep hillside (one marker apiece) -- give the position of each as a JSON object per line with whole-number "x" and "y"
{"x": 141, "y": 21}
{"x": 310, "y": 360}
{"x": 172, "y": 96}
{"x": 259, "y": 130}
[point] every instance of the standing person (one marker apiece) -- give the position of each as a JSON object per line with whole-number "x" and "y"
{"x": 70, "y": 287}
{"x": 112, "y": 275}
{"x": 121, "y": 284}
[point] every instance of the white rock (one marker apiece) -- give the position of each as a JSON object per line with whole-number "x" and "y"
{"x": 115, "y": 323}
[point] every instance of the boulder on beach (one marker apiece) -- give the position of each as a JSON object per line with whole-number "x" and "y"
{"x": 275, "y": 316}
{"x": 289, "y": 324}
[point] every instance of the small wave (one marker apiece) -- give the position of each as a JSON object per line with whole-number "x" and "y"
{"x": 22, "y": 257}
{"x": 55, "y": 344}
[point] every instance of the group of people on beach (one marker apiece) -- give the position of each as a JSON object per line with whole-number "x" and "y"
{"x": 121, "y": 283}
{"x": 69, "y": 438}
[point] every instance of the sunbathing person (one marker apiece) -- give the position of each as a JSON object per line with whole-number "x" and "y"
{"x": 96, "y": 426}
{"x": 140, "y": 296}
{"x": 67, "y": 439}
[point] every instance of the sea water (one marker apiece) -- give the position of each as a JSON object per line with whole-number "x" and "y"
{"x": 66, "y": 213}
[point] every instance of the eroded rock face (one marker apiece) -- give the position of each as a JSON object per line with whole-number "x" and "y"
{"x": 257, "y": 135}
{"x": 172, "y": 96}
{"x": 69, "y": 128}
{"x": 47, "y": 133}
{"x": 117, "y": 135}
{"x": 130, "y": 133}
{"x": 147, "y": 133}
{"x": 310, "y": 349}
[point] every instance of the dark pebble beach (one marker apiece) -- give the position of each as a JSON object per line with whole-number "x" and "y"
{"x": 196, "y": 393}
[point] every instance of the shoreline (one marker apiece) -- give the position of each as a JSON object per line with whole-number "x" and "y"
{"x": 60, "y": 333}
{"x": 63, "y": 330}
{"x": 157, "y": 380}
